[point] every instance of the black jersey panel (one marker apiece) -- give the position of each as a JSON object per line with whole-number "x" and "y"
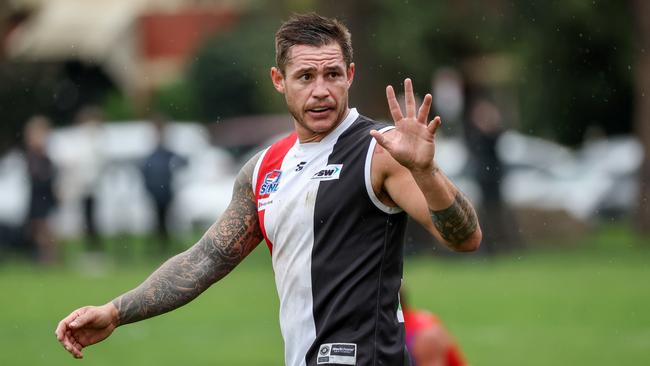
{"x": 356, "y": 260}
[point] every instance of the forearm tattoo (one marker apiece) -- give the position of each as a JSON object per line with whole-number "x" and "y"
{"x": 185, "y": 276}
{"x": 457, "y": 222}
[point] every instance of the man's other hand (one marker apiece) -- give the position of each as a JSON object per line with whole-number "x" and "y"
{"x": 86, "y": 326}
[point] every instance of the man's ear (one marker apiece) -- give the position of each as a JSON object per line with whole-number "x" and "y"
{"x": 350, "y": 74}
{"x": 278, "y": 79}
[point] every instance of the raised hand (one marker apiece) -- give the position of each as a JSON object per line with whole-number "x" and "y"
{"x": 86, "y": 326}
{"x": 411, "y": 143}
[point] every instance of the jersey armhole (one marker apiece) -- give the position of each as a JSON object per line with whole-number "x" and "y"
{"x": 368, "y": 177}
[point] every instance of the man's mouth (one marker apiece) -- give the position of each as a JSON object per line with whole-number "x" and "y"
{"x": 319, "y": 109}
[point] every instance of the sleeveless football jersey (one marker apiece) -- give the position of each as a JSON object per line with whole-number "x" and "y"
{"x": 336, "y": 249}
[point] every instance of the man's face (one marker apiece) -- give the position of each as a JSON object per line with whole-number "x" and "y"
{"x": 315, "y": 85}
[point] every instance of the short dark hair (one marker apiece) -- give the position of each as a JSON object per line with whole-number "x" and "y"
{"x": 313, "y": 30}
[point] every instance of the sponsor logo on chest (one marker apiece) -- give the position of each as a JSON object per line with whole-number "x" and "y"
{"x": 270, "y": 183}
{"x": 330, "y": 172}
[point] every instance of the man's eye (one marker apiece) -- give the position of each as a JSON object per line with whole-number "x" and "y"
{"x": 333, "y": 74}
{"x": 305, "y": 77}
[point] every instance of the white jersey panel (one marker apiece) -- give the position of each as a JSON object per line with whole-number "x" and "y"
{"x": 289, "y": 223}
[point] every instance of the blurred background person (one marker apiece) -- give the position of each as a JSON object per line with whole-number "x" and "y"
{"x": 158, "y": 172}
{"x": 427, "y": 340}
{"x": 87, "y": 169}
{"x": 483, "y": 128}
{"x": 42, "y": 198}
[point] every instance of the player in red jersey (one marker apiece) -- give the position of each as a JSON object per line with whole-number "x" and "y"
{"x": 427, "y": 340}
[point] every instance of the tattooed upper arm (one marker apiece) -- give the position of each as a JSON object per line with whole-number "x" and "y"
{"x": 183, "y": 277}
{"x": 237, "y": 232}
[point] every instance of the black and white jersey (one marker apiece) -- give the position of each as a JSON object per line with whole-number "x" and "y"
{"x": 336, "y": 249}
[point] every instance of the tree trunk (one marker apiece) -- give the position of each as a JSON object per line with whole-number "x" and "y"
{"x": 4, "y": 22}
{"x": 641, "y": 10}
{"x": 368, "y": 91}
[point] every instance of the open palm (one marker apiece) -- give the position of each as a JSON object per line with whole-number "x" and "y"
{"x": 411, "y": 143}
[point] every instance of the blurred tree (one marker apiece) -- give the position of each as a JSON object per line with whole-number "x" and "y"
{"x": 178, "y": 101}
{"x": 230, "y": 73}
{"x": 54, "y": 89}
{"x": 641, "y": 10}
{"x": 416, "y": 37}
{"x": 360, "y": 17}
{"x": 5, "y": 15}
{"x": 118, "y": 107}
{"x": 574, "y": 56}
{"x": 25, "y": 90}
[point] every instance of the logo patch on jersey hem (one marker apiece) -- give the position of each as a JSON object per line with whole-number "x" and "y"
{"x": 337, "y": 354}
{"x": 330, "y": 172}
{"x": 271, "y": 182}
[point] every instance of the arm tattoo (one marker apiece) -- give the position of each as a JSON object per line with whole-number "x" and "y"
{"x": 457, "y": 222}
{"x": 185, "y": 276}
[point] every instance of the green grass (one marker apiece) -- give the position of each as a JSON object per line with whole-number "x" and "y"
{"x": 584, "y": 303}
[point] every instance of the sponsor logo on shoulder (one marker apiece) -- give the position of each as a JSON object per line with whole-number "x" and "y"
{"x": 271, "y": 182}
{"x": 337, "y": 353}
{"x": 330, "y": 172}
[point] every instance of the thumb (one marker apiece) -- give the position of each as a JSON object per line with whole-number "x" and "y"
{"x": 381, "y": 140}
{"x": 81, "y": 320}
{"x": 434, "y": 124}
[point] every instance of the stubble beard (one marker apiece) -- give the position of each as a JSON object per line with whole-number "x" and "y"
{"x": 340, "y": 115}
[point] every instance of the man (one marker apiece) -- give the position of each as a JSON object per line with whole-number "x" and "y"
{"x": 42, "y": 198}
{"x": 158, "y": 171}
{"x": 328, "y": 199}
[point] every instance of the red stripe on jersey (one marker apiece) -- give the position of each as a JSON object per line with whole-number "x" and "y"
{"x": 268, "y": 176}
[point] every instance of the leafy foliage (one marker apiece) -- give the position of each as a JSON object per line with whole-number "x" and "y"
{"x": 177, "y": 100}
{"x": 230, "y": 72}
{"x": 578, "y": 73}
{"x": 118, "y": 107}
{"x": 575, "y": 57}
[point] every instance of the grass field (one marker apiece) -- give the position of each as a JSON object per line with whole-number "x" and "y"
{"x": 579, "y": 303}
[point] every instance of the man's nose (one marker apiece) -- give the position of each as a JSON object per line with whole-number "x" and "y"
{"x": 320, "y": 89}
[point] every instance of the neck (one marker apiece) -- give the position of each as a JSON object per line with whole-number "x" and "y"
{"x": 306, "y": 135}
